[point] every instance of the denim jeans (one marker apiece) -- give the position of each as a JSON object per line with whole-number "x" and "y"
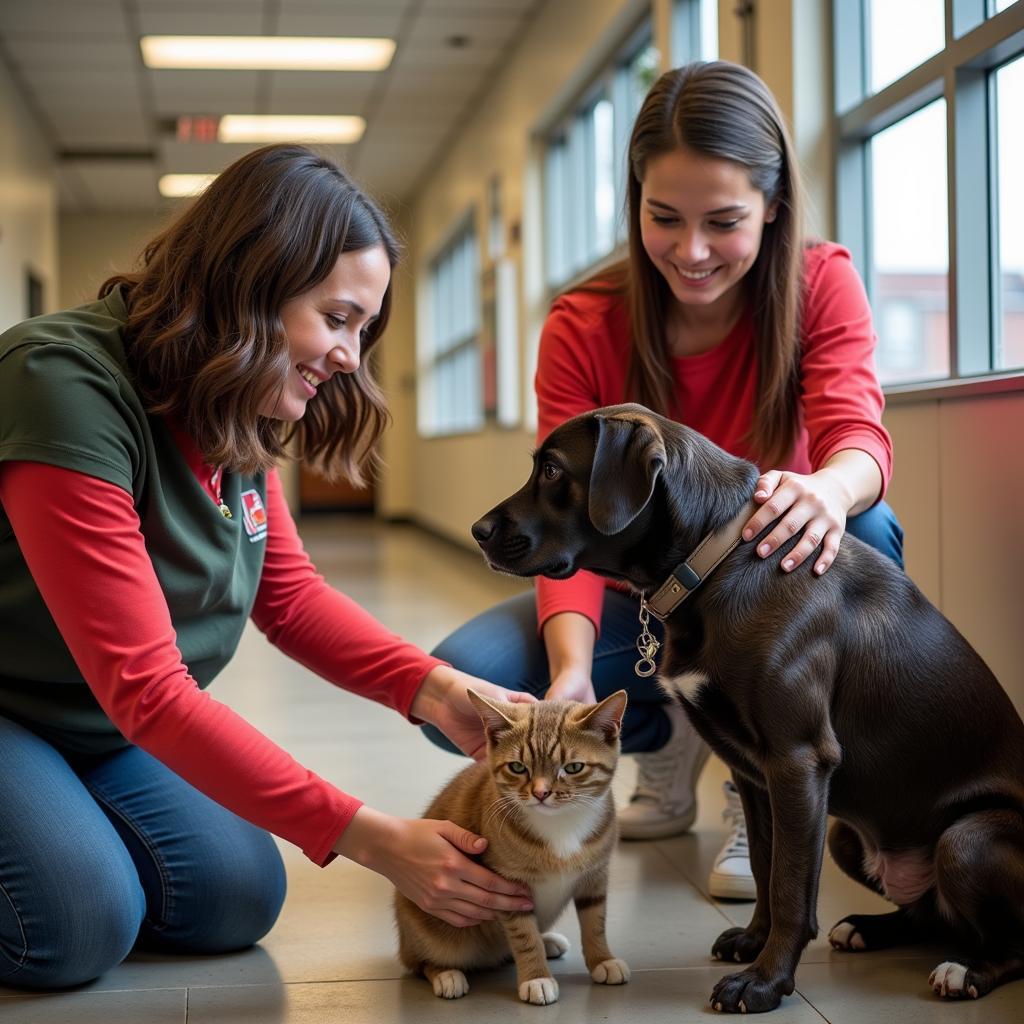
{"x": 100, "y": 853}
{"x": 502, "y": 645}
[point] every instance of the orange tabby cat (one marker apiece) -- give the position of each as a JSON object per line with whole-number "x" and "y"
{"x": 543, "y": 800}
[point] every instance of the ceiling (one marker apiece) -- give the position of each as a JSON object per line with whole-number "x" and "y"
{"x": 110, "y": 120}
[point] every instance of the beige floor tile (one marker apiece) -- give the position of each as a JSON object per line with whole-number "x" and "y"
{"x": 123, "y": 1007}
{"x": 864, "y": 989}
{"x": 654, "y": 997}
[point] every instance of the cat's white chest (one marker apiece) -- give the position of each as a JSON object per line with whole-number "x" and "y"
{"x": 550, "y": 897}
{"x": 565, "y": 832}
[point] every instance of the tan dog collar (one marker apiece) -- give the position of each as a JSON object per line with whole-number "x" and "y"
{"x": 688, "y": 575}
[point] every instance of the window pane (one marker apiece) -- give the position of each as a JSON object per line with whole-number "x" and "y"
{"x": 604, "y": 179}
{"x": 903, "y": 34}
{"x": 1001, "y": 5}
{"x": 910, "y": 247}
{"x": 1009, "y": 104}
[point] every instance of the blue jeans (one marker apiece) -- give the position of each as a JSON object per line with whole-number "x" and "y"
{"x": 502, "y": 645}
{"x": 98, "y": 854}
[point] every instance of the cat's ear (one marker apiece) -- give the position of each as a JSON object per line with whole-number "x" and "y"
{"x": 495, "y": 720}
{"x": 606, "y": 717}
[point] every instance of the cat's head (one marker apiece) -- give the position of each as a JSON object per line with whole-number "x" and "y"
{"x": 552, "y": 754}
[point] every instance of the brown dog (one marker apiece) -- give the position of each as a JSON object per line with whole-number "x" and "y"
{"x": 847, "y": 693}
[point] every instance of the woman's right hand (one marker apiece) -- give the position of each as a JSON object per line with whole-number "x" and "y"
{"x": 572, "y": 684}
{"x": 428, "y": 861}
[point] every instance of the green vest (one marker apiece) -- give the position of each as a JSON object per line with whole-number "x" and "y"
{"x": 66, "y": 399}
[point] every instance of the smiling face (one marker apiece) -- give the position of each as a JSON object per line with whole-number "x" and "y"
{"x": 324, "y": 327}
{"x": 701, "y": 223}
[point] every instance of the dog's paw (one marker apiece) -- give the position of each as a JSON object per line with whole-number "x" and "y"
{"x": 450, "y": 984}
{"x": 953, "y": 981}
{"x": 555, "y": 945}
{"x": 539, "y": 991}
{"x": 844, "y": 935}
{"x": 738, "y": 945}
{"x": 748, "y": 992}
{"x": 611, "y": 972}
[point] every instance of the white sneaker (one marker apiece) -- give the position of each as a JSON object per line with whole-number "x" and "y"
{"x": 664, "y": 803}
{"x": 731, "y": 877}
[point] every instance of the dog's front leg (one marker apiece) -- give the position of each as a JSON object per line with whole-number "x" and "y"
{"x": 743, "y": 944}
{"x": 798, "y": 791}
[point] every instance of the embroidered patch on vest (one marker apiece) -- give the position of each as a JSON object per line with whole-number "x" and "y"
{"x": 254, "y": 516}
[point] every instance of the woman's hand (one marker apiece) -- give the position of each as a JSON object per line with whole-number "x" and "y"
{"x": 817, "y": 504}
{"x": 427, "y": 861}
{"x": 572, "y": 684}
{"x": 442, "y": 701}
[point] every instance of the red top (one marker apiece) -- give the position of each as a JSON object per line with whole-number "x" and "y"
{"x": 80, "y": 538}
{"x": 584, "y": 358}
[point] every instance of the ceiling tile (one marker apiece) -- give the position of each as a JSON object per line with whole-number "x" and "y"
{"x": 320, "y": 92}
{"x": 367, "y": 20}
{"x": 243, "y": 19}
{"x": 91, "y": 132}
{"x": 205, "y": 92}
{"x": 84, "y": 18}
{"x": 68, "y": 53}
{"x": 116, "y": 184}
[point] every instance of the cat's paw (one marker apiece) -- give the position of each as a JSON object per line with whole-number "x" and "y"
{"x": 450, "y": 984}
{"x": 539, "y": 991}
{"x": 555, "y": 945}
{"x": 611, "y": 972}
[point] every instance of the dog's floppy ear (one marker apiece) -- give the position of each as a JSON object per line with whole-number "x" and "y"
{"x": 629, "y": 455}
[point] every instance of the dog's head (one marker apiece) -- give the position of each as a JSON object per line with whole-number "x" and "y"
{"x": 590, "y": 491}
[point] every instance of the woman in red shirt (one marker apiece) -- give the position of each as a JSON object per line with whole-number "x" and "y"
{"x": 725, "y": 319}
{"x": 141, "y": 524}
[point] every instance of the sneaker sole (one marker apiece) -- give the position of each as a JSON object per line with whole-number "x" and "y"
{"x": 731, "y": 887}
{"x": 658, "y": 829}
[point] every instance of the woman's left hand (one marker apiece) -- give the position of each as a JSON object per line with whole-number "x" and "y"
{"x": 816, "y": 504}
{"x": 442, "y": 701}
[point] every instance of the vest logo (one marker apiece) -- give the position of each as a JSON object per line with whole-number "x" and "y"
{"x": 254, "y": 516}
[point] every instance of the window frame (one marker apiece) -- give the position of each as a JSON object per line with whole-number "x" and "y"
{"x": 444, "y": 342}
{"x": 978, "y": 43}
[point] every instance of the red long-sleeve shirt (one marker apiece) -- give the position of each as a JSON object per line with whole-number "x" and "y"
{"x": 584, "y": 359}
{"x": 81, "y": 540}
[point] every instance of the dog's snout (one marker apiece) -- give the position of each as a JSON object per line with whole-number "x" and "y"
{"x": 483, "y": 529}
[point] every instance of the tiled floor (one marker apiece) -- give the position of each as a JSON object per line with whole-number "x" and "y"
{"x": 331, "y": 957}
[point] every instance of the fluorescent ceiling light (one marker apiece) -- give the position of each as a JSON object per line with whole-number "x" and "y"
{"x": 282, "y": 128}
{"x": 297, "y": 53}
{"x": 174, "y": 186}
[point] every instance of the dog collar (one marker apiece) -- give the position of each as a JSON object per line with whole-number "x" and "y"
{"x": 688, "y": 575}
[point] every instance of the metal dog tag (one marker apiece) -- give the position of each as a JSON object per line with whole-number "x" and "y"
{"x": 647, "y": 644}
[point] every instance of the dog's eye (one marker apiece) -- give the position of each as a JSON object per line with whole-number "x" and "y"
{"x": 551, "y": 471}
{"x": 574, "y": 767}
{"x": 517, "y": 767}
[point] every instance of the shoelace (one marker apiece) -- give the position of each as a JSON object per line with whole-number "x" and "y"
{"x": 733, "y": 814}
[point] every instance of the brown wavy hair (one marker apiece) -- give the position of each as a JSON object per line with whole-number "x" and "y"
{"x": 721, "y": 110}
{"x": 204, "y": 336}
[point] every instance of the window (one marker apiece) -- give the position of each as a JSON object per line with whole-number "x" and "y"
{"x": 928, "y": 96}
{"x": 585, "y": 165}
{"x": 450, "y": 399}
{"x": 1009, "y": 86}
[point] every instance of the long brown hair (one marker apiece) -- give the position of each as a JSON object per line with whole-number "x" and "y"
{"x": 204, "y": 336}
{"x": 721, "y": 110}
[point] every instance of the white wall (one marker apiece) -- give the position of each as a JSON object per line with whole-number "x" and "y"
{"x": 28, "y": 207}
{"x": 94, "y": 246}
